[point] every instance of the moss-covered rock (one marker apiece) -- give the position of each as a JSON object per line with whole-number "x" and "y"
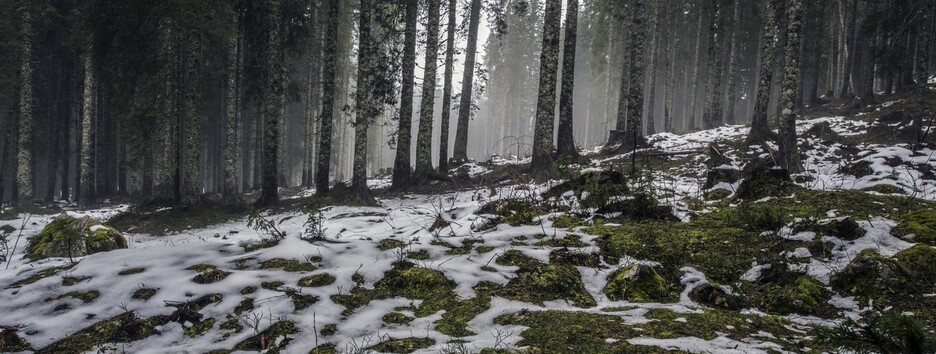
{"x": 594, "y": 189}
{"x": 781, "y": 291}
{"x": 208, "y": 274}
{"x": 271, "y": 340}
{"x": 871, "y": 276}
{"x": 289, "y": 265}
{"x": 396, "y": 318}
{"x": 69, "y": 237}
{"x": 514, "y": 212}
{"x": 547, "y": 282}
{"x": 918, "y": 226}
{"x": 639, "y": 283}
{"x": 714, "y": 296}
{"x": 766, "y": 182}
{"x": 123, "y": 328}
{"x": 920, "y": 263}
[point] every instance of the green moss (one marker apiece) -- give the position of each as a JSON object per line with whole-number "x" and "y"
{"x": 546, "y": 282}
{"x": 84, "y": 296}
{"x": 247, "y": 290}
{"x": 269, "y": 340}
{"x": 272, "y": 285}
{"x": 573, "y": 241}
{"x": 247, "y": 304}
{"x": 920, "y": 263}
{"x": 131, "y": 271}
{"x": 455, "y": 320}
{"x": 420, "y": 255}
{"x": 516, "y": 258}
{"x": 37, "y": 276}
{"x": 717, "y": 194}
{"x": 199, "y": 329}
{"x": 123, "y": 328}
{"x": 567, "y": 221}
{"x": 575, "y": 258}
{"x": 301, "y": 301}
{"x": 143, "y": 293}
{"x": 513, "y": 212}
{"x": 158, "y": 221}
{"x": 885, "y": 189}
{"x": 639, "y": 283}
{"x": 329, "y": 329}
{"x": 66, "y": 236}
{"x": 289, "y": 265}
{"x": 404, "y": 280}
{"x": 782, "y": 292}
{"x": 208, "y": 274}
{"x": 918, "y": 226}
{"x": 396, "y": 318}
{"x": 389, "y": 244}
{"x": 11, "y": 342}
{"x": 317, "y": 280}
{"x": 327, "y": 348}
{"x": 69, "y": 281}
{"x": 404, "y": 345}
{"x": 484, "y": 249}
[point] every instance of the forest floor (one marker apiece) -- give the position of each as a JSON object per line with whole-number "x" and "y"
{"x": 599, "y": 261}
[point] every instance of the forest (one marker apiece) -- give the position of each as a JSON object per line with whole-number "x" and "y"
{"x": 468, "y": 176}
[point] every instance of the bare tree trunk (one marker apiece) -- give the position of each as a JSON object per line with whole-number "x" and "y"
{"x": 363, "y": 106}
{"x": 669, "y": 64}
{"x": 329, "y": 76}
{"x": 271, "y": 111}
{"x": 313, "y": 99}
{"x": 426, "y": 107}
{"x": 447, "y": 87}
{"x": 760, "y": 127}
{"x": 845, "y": 91}
{"x": 565, "y": 140}
{"x": 712, "y": 113}
{"x": 87, "y": 115}
{"x": 633, "y": 137}
{"x": 24, "y": 169}
{"x": 691, "y": 121}
{"x": 542, "y": 163}
{"x": 654, "y": 65}
{"x": 232, "y": 123}
{"x": 460, "y": 153}
{"x": 190, "y": 127}
{"x": 401, "y": 164}
{"x": 789, "y": 153}
{"x": 732, "y": 88}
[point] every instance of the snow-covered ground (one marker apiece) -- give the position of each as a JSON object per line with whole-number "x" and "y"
{"x": 353, "y": 235}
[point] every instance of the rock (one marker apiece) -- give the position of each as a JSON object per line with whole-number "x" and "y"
{"x": 870, "y": 275}
{"x": 824, "y": 132}
{"x": 714, "y": 296}
{"x": 7, "y": 229}
{"x": 639, "y": 283}
{"x": 860, "y": 168}
{"x": 69, "y": 237}
{"x": 766, "y": 182}
{"x": 846, "y": 229}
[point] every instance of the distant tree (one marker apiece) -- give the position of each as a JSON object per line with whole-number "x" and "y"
{"x": 850, "y": 50}
{"x": 87, "y": 120}
{"x": 634, "y": 95}
{"x": 363, "y": 99}
{"x": 460, "y": 153}
{"x": 760, "y": 128}
{"x": 272, "y": 104}
{"x": 712, "y": 112}
{"x": 24, "y": 172}
{"x": 232, "y": 116}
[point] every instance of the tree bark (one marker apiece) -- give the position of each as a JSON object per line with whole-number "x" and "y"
{"x": 734, "y": 56}
{"x": 313, "y": 99}
{"x": 760, "y": 127}
{"x": 712, "y": 113}
{"x": 633, "y": 137}
{"x": 271, "y": 111}
{"x": 364, "y": 105}
{"x": 690, "y": 119}
{"x": 656, "y": 43}
{"x": 25, "y": 139}
{"x": 789, "y": 153}
{"x": 669, "y": 65}
{"x": 845, "y": 91}
{"x": 460, "y": 154}
{"x": 232, "y": 122}
{"x": 329, "y": 83}
{"x": 542, "y": 163}
{"x": 565, "y": 140}
{"x": 87, "y": 115}
{"x": 401, "y": 164}
{"x": 426, "y": 107}
{"x": 447, "y": 87}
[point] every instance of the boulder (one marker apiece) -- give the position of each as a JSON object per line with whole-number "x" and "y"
{"x": 70, "y": 237}
{"x": 639, "y": 283}
{"x": 714, "y": 296}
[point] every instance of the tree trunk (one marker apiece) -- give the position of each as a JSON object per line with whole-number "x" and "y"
{"x": 313, "y": 98}
{"x": 25, "y": 139}
{"x": 401, "y": 164}
{"x": 870, "y": 34}
{"x": 426, "y": 107}
{"x": 190, "y": 127}
{"x": 329, "y": 82}
{"x": 845, "y": 91}
{"x": 760, "y": 127}
{"x": 669, "y": 65}
{"x": 447, "y": 87}
{"x": 712, "y": 114}
{"x": 460, "y": 154}
{"x": 232, "y": 123}
{"x": 633, "y": 137}
{"x": 271, "y": 111}
{"x": 364, "y": 106}
{"x": 733, "y": 57}
{"x": 565, "y": 140}
{"x": 87, "y": 115}
{"x": 691, "y": 121}
{"x": 923, "y": 70}
{"x": 789, "y": 154}
{"x": 546, "y": 102}
{"x": 654, "y": 61}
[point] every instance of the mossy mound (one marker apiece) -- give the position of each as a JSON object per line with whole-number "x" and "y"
{"x": 714, "y": 296}
{"x": 918, "y": 226}
{"x": 547, "y": 282}
{"x": 766, "y": 182}
{"x": 69, "y": 237}
{"x": 208, "y": 274}
{"x": 514, "y": 212}
{"x": 640, "y": 207}
{"x": 872, "y": 276}
{"x": 403, "y": 345}
{"x": 389, "y": 244}
{"x": 289, "y": 265}
{"x": 396, "y": 318}
{"x": 920, "y": 263}
{"x": 781, "y": 291}
{"x": 639, "y": 283}
{"x": 317, "y": 280}
{"x": 516, "y": 258}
